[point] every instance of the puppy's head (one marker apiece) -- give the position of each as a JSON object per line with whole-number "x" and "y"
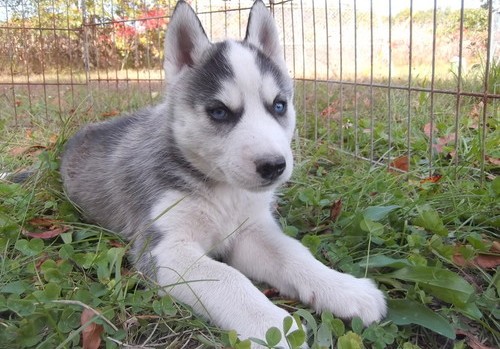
{"x": 232, "y": 101}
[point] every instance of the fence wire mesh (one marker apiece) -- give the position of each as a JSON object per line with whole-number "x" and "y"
{"x": 399, "y": 83}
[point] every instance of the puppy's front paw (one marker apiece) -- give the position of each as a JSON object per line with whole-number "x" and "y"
{"x": 368, "y": 302}
{"x": 347, "y": 297}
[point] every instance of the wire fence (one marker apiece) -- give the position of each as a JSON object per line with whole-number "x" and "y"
{"x": 413, "y": 85}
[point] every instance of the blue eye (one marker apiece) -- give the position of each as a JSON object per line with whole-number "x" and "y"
{"x": 279, "y": 107}
{"x": 218, "y": 113}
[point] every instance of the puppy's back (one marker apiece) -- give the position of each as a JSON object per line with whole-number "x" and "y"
{"x": 88, "y": 167}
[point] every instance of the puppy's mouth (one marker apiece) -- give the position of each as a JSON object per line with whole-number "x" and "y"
{"x": 256, "y": 181}
{"x": 265, "y": 185}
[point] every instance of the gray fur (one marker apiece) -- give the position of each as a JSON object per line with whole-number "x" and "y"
{"x": 115, "y": 170}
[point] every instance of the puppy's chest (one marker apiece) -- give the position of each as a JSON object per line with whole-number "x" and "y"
{"x": 214, "y": 220}
{"x": 227, "y": 215}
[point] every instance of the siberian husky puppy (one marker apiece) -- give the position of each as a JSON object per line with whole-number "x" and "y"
{"x": 191, "y": 182}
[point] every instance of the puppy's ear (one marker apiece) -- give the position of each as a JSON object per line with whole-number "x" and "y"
{"x": 263, "y": 33}
{"x": 185, "y": 40}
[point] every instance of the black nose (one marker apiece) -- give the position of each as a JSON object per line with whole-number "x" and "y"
{"x": 271, "y": 168}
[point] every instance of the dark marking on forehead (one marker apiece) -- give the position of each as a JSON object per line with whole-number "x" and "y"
{"x": 207, "y": 78}
{"x": 268, "y": 66}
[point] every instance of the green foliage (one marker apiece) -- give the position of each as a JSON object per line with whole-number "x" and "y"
{"x": 475, "y": 20}
{"x": 405, "y": 234}
{"x": 393, "y": 228}
{"x": 406, "y": 312}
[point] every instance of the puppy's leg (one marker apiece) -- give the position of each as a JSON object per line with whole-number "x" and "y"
{"x": 215, "y": 290}
{"x": 266, "y": 254}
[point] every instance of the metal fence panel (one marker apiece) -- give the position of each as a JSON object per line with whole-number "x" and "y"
{"x": 370, "y": 75}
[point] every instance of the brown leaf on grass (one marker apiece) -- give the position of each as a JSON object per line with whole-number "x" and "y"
{"x": 110, "y": 113}
{"x": 440, "y": 142}
{"x": 29, "y": 150}
{"x": 428, "y": 130}
{"x": 431, "y": 179}
{"x": 438, "y": 148}
{"x": 51, "y": 228}
{"x": 115, "y": 243}
{"x": 43, "y": 222}
{"x": 476, "y": 110}
{"x": 53, "y": 139}
{"x": 40, "y": 261}
{"x": 336, "y": 210}
{"x": 446, "y": 139}
{"x": 91, "y": 334}
{"x": 492, "y": 160}
{"x": 47, "y": 234}
{"x": 332, "y": 111}
{"x": 401, "y": 163}
{"x": 459, "y": 260}
{"x": 472, "y": 340}
{"x": 489, "y": 260}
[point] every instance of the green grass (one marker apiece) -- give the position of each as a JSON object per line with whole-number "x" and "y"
{"x": 395, "y": 228}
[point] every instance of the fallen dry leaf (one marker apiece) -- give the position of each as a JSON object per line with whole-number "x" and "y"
{"x": 336, "y": 210}
{"x": 489, "y": 260}
{"x": 115, "y": 243}
{"x": 476, "y": 110}
{"x": 43, "y": 222}
{"x": 442, "y": 141}
{"x": 91, "y": 334}
{"x": 53, "y": 139}
{"x": 40, "y": 261}
{"x": 332, "y": 111}
{"x": 446, "y": 139}
{"x": 29, "y": 150}
{"x": 401, "y": 163}
{"x": 110, "y": 113}
{"x": 428, "y": 130}
{"x": 472, "y": 340}
{"x": 431, "y": 179}
{"x": 48, "y": 234}
{"x": 53, "y": 228}
{"x": 492, "y": 160}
